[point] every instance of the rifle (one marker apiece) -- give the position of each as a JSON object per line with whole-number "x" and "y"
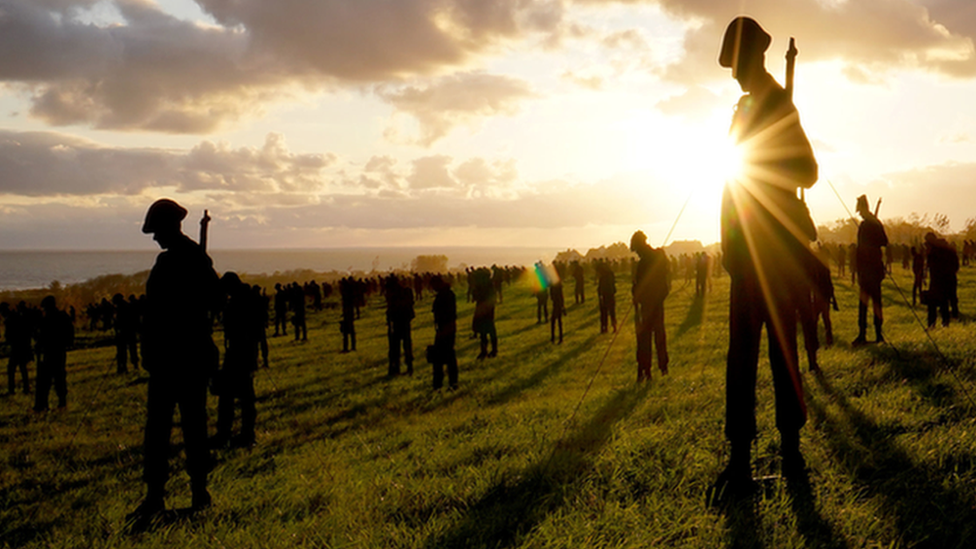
{"x": 204, "y": 222}
{"x": 790, "y": 67}
{"x": 877, "y": 207}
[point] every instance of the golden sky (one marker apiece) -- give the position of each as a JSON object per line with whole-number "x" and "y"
{"x": 549, "y": 123}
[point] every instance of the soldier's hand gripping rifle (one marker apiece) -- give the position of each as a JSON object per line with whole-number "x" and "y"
{"x": 204, "y": 223}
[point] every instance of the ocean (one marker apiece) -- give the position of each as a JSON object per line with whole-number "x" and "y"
{"x": 20, "y": 270}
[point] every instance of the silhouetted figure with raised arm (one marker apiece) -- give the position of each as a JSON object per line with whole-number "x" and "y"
{"x": 871, "y": 270}
{"x": 18, "y": 334}
{"x": 652, "y": 284}
{"x": 943, "y": 265}
{"x": 445, "y": 335}
{"x": 55, "y": 334}
{"x": 766, "y": 234}
{"x": 235, "y": 381}
{"x": 179, "y": 353}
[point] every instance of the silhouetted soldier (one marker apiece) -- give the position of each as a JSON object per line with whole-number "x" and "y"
{"x": 852, "y": 260}
{"x": 606, "y": 291}
{"x": 347, "y": 293}
{"x": 179, "y": 354}
{"x": 399, "y": 313}
{"x": 445, "y": 335}
{"x": 541, "y": 294}
{"x": 701, "y": 273}
{"x": 652, "y": 284}
{"x": 18, "y": 334}
{"x": 558, "y": 309}
{"x": 263, "y": 303}
{"x": 841, "y": 253}
{"x": 497, "y": 281}
{"x": 766, "y": 233}
{"x": 483, "y": 320}
{"x": 579, "y": 278}
{"x": 235, "y": 381}
{"x": 943, "y": 263}
{"x": 817, "y": 305}
{"x": 918, "y": 271}
{"x": 126, "y": 343}
{"x": 871, "y": 238}
{"x": 296, "y": 298}
{"x": 281, "y": 310}
{"x": 55, "y": 334}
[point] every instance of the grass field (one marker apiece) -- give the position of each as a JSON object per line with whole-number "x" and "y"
{"x": 544, "y": 446}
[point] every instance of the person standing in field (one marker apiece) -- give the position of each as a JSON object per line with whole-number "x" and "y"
{"x": 483, "y": 320}
{"x": 296, "y": 302}
{"x": 281, "y": 310}
{"x": 347, "y": 294}
{"x": 55, "y": 334}
{"x": 126, "y": 342}
{"x": 399, "y": 314}
{"x": 606, "y": 291}
{"x": 943, "y": 265}
{"x": 918, "y": 272}
{"x": 17, "y": 331}
{"x": 766, "y": 235}
{"x": 579, "y": 280}
{"x": 179, "y": 353}
{"x": 445, "y": 334}
{"x": 235, "y": 381}
{"x": 558, "y": 308}
{"x": 652, "y": 284}
{"x": 871, "y": 270}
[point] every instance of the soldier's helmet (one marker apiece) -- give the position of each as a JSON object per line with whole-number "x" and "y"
{"x": 744, "y": 38}
{"x": 862, "y": 202}
{"x": 163, "y": 214}
{"x": 48, "y": 303}
{"x": 638, "y": 239}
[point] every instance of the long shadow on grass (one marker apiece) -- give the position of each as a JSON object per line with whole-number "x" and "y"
{"x": 925, "y": 511}
{"x": 523, "y": 384}
{"x": 694, "y": 317}
{"x": 514, "y": 506}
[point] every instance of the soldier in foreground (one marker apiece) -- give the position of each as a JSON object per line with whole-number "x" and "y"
{"x": 766, "y": 233}
{"x": 179, "y": 353}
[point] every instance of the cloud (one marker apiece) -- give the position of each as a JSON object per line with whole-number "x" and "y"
{"x": 158, "y": 73}
{"x": 52, "y": 165}
{"x": 458, "y": 99}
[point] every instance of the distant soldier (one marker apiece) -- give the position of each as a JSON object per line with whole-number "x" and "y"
{"x": 347, "y": 293}
{"x": 179, "y": 353}
{"x": 871, "y": 238}
{"x": 483, "y": 320}
{"x": 235, "y": 381}
{"x": 841, "y": 253}
{"x": 281, "y": 310}
{"x": 943, "y": 264}
{"x": 606, "y": 291}
{"x": 652, "y": 284}
{"x": 399, "y": 313}
{"x": 701, "y": 273}
{"x": 296, "y": 302}
{"x": 18, "y": 332}
{"x": 766, "y": 236}
{"x": 126, "y": 326}
{"x": 558, "y": 308}
{"x": 55, "y": 334}
{"x": 445, "y": 335}
{"x": 579, "y": 278}
{"x": 918, "y": 271}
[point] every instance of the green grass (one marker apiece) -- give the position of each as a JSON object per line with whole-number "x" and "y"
{"x": 545, "y": 446}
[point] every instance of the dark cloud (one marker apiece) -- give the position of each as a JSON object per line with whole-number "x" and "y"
{"x": 457, "y": 99}
{"x": 159, "y": 73}
{"x": 49, "y": 164}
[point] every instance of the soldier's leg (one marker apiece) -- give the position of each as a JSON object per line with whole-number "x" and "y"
{"x": 193, "y": 419}
{"x": 11, "y": 376}
{"x": 878, "y": 317}
{"x": 134, "y": 351}
{"x": 43, "y": 388}
{"x": 22, "y": 364}
{"x": 450, "y": 357}
{"x": 862, "y": 316}
{"x": 352, "y": 337}
{"x": 121, "y": 357}
{"x": 408, "y": 348}
{"x": 660, "y": 339}
{"x": 613, "y": 313}
{"x": 249, "y": 412}
{"x": 61, "y": 383}
{"x": 160, "y": 405}
{"x": 493, "y": 336}
{"x": 644, "y": 351}
{"x": 552, "y": 327}
{"x": 745, "y": 331}
{"x": 788, "y": 388}
{"x": 225, "y": 409}
{"x": 945, "y": 310}
{"x": 394, "y": 353}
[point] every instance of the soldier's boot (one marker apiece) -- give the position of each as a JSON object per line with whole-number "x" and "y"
{"x": 150, "y": 508}
{"x": 794, "y": 467}
{"x": 201, "y": 497}
{"x": 877, "y": 330}
{"x": 735, "y": 482}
